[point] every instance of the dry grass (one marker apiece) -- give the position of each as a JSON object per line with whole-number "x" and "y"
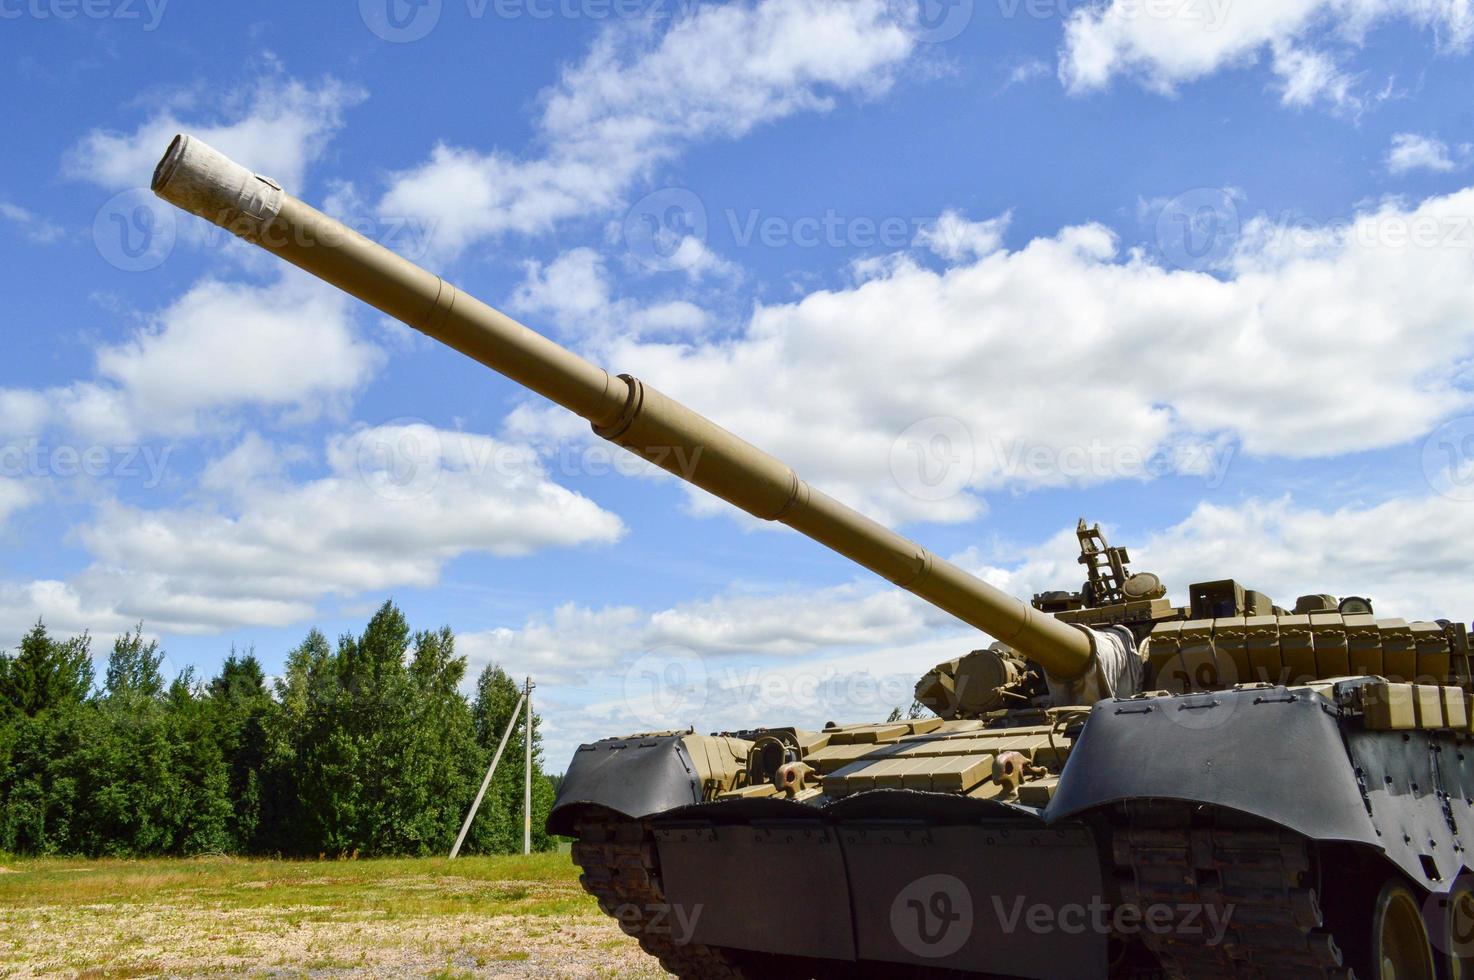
{"x": 475, "y": 917}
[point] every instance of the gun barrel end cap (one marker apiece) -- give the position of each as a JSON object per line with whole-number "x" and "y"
{"x": 200, "y": 179}
{"x": 169, "y": 163}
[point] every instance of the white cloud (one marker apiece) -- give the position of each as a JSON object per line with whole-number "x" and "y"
{"x": 955, "y": 238}
{"x": 64, "y": 611}
{"x": 36, "y": 228}
{"x": 1308, "y": 76}
{"x": 23, "y": 413}
{"x": 14, "y": 496}
{"x": 277, "y": 127}
{"x": 572, "y": 291}
{"x": 1165, "y": 45}
{"x": 1065, "y": 362}
{"x": 287, "y": 346}
{"x": 737, "y": 660}
{"x": 639, "y": 96}
{"x": 395, "y": 505}
{"x": 1023, "y": 73}
{"x": 1410, "y": 151}
{"x": 573, "y": 640}
{"x": 1406, "y": 554}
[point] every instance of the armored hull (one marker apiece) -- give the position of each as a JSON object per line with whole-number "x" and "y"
{"x": 1253, "y": 840}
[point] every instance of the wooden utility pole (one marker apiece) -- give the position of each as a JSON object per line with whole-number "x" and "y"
{"x": 527, "y": 784}
{"x": 511, "y": 724}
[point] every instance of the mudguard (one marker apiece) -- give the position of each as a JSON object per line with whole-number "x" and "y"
{"x": 636, "y": 777}
{"x": 1289, "y": 757}
{"x": 888, "y": 876}
{"x": 1269, "y": 752}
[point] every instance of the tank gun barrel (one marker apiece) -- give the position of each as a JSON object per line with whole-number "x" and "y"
{"x": 621, "y": 409}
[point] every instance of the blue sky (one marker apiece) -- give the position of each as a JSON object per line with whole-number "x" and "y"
{"x": 1197, "y": 269}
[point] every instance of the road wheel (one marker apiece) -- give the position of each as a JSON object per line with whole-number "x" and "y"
{"x": 1400, "y": 946}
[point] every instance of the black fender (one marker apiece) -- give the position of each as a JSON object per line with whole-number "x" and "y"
{"x": 635, "y": 777}
{"x": 1288, "y": 756}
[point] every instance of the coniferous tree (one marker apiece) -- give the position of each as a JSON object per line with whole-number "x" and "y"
{"x": 45, "y": 673}
{"x": 241, "y": 713}
{"x": 43, "y": 721}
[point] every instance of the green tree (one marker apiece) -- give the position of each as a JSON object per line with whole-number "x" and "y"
{"x": 133, "y": 668}
{"x": 43, "y": 723}
{"x": 203, "y": 813}
{"x": 45, "y": 673}
{"x": 242, "y": 717}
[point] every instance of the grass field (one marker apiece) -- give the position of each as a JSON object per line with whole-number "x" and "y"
{"x": 474, "y": 917}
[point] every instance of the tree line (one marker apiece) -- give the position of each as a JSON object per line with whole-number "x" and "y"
{"x": 366, "y": 747}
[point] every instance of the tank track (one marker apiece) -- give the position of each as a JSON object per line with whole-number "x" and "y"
{"x": 621, "y": 869}
{"x": 1260, "y": 878}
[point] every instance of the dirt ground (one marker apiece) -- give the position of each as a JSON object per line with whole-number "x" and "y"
{"x": 481, "y": 917}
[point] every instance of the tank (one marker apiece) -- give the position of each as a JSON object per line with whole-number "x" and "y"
{"x": 1114, "y": 786}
